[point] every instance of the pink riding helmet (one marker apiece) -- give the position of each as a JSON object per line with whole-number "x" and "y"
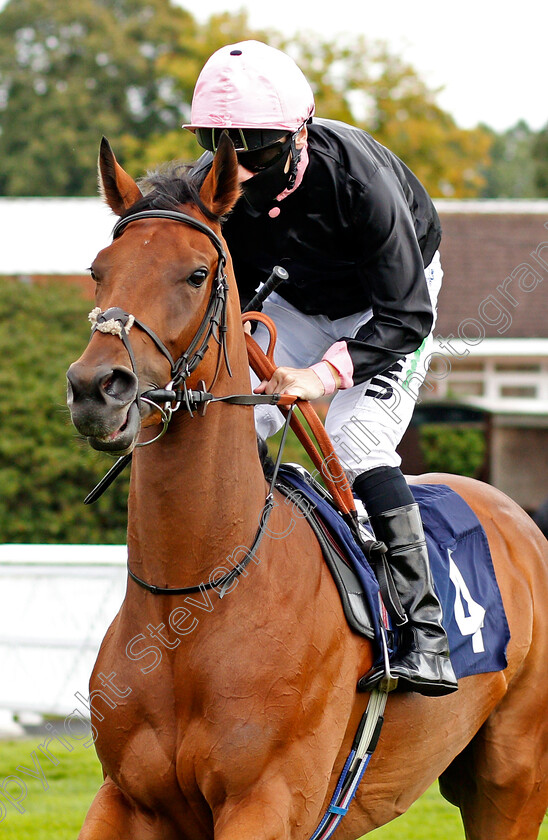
{"x": 251, "y": 85}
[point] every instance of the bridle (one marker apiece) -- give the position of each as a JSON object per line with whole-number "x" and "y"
{"x": 213, "y": 324}
{"x": 176, "y": 394}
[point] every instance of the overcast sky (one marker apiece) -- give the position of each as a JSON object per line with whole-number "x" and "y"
{"x": 490, "y": 57}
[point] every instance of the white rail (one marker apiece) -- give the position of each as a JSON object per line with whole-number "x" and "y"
{"x": 56, "y": 602}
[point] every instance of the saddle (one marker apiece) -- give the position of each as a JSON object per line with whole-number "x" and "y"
{"x": 359, "y": 594}
{"x": 460, "y": 559}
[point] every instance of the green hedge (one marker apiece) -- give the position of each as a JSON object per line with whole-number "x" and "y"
{"x": 45, "y": 468}
{"x": 453, "y": 449}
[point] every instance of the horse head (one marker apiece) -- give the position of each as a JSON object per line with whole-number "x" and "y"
{"x": 161, "y": 298}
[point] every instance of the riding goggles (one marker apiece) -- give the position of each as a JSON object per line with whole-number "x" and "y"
{"x": 244, "y": 139}
{"x": 264, "y": 158}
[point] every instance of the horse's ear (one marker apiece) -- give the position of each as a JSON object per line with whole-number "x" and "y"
{"x": 221, "y": 189}
{"x": 117, "y": 187}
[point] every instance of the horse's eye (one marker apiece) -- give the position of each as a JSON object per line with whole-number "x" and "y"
{"x": 92, "y": 274}
{"x": 197, "y": 277}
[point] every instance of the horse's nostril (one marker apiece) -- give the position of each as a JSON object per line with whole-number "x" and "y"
{"x": 119, "y": 384}
{"x": 116, "y": 386}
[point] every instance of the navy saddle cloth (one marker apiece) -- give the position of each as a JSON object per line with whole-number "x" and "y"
{"x": 464, "y": 577}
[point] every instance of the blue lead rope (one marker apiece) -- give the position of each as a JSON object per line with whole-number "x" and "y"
{"x": 355, "y": 766}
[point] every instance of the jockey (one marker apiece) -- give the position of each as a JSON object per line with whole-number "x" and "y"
{"x": 359, "y": 237}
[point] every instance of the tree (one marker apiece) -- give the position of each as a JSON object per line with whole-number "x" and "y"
{"x": 451, "y": 449}
{"x": 183, "y": 68}
{"x": 511, "y": 172}
{"x": 540, "y": 158}
{"x": 70, "y": 72}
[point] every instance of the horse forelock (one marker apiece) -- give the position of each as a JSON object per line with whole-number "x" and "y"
{"x": 168, "y": 188}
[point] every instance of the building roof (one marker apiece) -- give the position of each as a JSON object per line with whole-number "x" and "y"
{"x": 52, "y": 235}
{"x": 493, "y": 206}
{"x": 525, "y": 349}
{"x": 492, "y": 275}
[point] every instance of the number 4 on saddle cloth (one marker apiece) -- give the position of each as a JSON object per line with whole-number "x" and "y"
{"x": 460, "y": 559}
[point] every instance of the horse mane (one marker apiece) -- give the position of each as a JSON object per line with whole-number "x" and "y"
{"x": 168, "y": 187}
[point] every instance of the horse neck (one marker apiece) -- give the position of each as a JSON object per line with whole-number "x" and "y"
{"x": 197, "y": 494}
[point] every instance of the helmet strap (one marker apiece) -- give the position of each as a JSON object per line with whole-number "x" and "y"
{"x": 295, "y": 158}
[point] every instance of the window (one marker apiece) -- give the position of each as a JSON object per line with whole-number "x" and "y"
{"x": 464, "y": 388}
{"x": 521, "y": 391}
{"x": 517, "y": 367}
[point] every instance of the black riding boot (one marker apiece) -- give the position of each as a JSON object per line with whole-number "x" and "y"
{"x": 423, "y": 663}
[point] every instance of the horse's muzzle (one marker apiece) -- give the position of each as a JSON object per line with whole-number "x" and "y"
{"x": 103, "y": 406}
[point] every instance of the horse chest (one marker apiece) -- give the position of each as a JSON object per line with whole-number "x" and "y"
{"x": 211, "y": 706}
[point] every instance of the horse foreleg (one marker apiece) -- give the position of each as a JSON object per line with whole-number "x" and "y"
{"x": 113, "y": 817}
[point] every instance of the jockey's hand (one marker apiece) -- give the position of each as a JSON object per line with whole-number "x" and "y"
{"x": 300, "y": 382}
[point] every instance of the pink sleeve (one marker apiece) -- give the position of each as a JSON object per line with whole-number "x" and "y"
{"x": 338, "y": 356}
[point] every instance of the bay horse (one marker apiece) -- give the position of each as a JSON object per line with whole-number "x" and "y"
{"x": 230, "y": 718}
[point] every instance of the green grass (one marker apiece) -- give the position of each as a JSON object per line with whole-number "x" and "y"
{"x": 58, "y": 812}
{"x": 431, "y": 818}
